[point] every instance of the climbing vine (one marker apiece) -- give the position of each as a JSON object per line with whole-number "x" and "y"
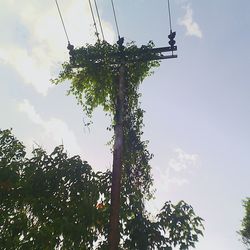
{"x": 93, "y": 71}
{"x": 53, "y": 201}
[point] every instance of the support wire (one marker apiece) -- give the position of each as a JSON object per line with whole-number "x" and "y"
{"x": 169, "y": 16}
{"x": 116, "y": 23}
{"x": 99, "y": 19}
{"x": 60, "y": 14}
{"x": 93, "y": 17}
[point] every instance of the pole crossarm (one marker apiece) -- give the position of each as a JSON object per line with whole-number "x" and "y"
{"x": 118, "y": 57}
{"x": 143, "y": 54}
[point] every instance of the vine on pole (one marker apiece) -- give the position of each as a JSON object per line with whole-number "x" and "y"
{"x": 100, "y": 76}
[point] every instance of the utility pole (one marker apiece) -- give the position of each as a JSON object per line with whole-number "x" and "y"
{"x": 122, "y": 58}
{"x": 114, "y": 231}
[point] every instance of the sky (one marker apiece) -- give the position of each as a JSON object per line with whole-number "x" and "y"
{"x": 197, "y": 106}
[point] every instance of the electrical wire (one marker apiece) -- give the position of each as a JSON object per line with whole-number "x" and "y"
{"x": 99, "y": 19}
{"x": 93, "y": 17}
{"x": 117, "y": 28}
{"x": 169, "y": 16}
{"x": 60, "y": 14}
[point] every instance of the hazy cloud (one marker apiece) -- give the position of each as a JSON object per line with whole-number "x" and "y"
{"x": 52, "y": 131}
{"x": 34, "y": 43}
{"x": 192, "y": 27}
{"x": 182, "y": 160}
{"x": 179, "y": 181}
{"x": 177, "y": 172}
{"x": 30, "y": 111}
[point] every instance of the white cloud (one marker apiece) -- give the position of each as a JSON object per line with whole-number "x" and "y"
{"x": 37, "y": 44}
{"x": 31, "y": 68}
{"x": 51, "y": 132}
{"x": 178, "y": 170}
{"x": 178, "y": 181}
{"x": 166, "y": 176}
{"x": 192, "y": 27}
{"x": 183, "y": 160}
{"x": 30, "y": 111}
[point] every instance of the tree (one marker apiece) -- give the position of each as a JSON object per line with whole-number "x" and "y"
{"x": 47, "y": 201}
{"x": 245, "y": 228}
{"x": 52, "y": 201}
{"x": 109, "y": 76}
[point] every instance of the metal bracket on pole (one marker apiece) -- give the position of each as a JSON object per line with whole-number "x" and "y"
{"x": 139, "y": 56}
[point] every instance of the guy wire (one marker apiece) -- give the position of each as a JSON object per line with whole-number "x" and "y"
{"x": 99, "y": 19}
{"x": 169, "y": 16}
{"x": 118, "y": 33}
{"x": 92, "y": 13}
{"x": 65, "y": 31}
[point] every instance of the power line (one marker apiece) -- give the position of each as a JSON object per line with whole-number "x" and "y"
{"x": 169, "y": 16}
{"x": 93, "y": 17}
{"x": 118, "y": 33}
{"x": 65, "y": 31}
{"x": 99, "y": 19}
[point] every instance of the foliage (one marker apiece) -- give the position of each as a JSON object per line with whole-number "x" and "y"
{"x": 52, "y": 201}
{"x": 245, "y": 230}
{"x": 93, "y": 72}
{"x": 47, "y": 201}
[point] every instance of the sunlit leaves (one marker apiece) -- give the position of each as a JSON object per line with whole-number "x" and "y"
{"x": 56, "y": 201}
{"x": 245, "y": 228}
{"x": 48, "y": 200}
{"x": 94, "y": 73}
{"x": 181, "y": 224}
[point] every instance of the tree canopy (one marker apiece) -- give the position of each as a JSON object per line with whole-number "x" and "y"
{"x": 94, "y": 69}
{"x": 245, "y": 228}
{"x": 94, "y": 73}
{"x": 53, "y": 201}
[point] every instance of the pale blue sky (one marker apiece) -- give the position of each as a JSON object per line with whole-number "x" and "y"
{"x": 197, "y": 106}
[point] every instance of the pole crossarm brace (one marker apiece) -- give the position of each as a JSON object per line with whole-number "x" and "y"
{"x": 118, "y": 58}
{"x": 143, "y": 54}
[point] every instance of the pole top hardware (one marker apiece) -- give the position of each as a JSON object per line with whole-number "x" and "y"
{"x": 120, "y": 43}
{"x": 70, "y": 47}
{"x": 143, "y": 54}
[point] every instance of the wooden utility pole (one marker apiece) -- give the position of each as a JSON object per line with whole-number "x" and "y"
{"x": 114, "y": 231}
{"x": 121, "y": 58}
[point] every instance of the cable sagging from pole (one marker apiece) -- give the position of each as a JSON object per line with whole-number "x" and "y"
{"x": 169, "y": 16}
{"x": 116, "y": 23}
{"x": 93, "y": 17}
{"x": 99, "y": 19}
{"x": 60, "y": 14}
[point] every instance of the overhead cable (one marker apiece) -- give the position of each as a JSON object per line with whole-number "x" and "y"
{"x": 169, "y": 16}
{"x": 60, "y": 14}
{"x": 99, "y": 19}
{"x": 93, "y": 17}
{"x": 118, "y": 33}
